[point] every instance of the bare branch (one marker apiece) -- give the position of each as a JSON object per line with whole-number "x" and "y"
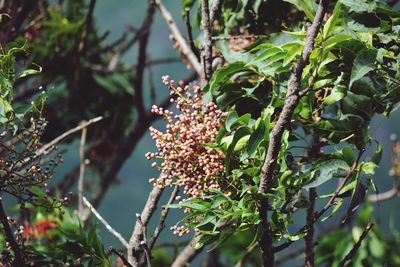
{"x": 121, "y": 256}
{"x": 18, "y": 258}
{"x": 356, "y": 246}
{"x": 187, "y": 254}
{"x": 89, "y": 19}
{"x": 207, "y": 48}
{"x": 190, "y": 34}
{"x": 309, "y": 238}
{"x": 163, "y": 217}
{"x": 144, "y": 243}
{"x": 233, "y": 37}
{"x": 291, "y": 101}
{"x": 137, "y": 234}
{"x": 49, "y": 146}
{"x": 215, "y": 10}
{"x": 81, "y": 173}
{"x": 142, "y": 58}
{"x": 384, "y": 196}
{"x": 105, "y": 223}
{"x": 179, "y": 38}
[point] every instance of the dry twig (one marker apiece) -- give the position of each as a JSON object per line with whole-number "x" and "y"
{"x": 179, "y": 38}
{"x": 356, "y": 246}
{"x": 81, "y": 173}
{"x": 105, "y": 223}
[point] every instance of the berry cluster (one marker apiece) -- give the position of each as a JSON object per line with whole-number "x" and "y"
{"x": 187, "y": 160}
{"x": 22, "y": 168}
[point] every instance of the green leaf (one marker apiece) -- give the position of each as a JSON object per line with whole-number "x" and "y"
{"x": 363, "y": 64}
{"x": 29, "y": 72}
{"x": 338, "y": 204}
{"x": 222, "y": 75}
{"x": 254, "y": 141}
{"x": 292, "y": 52}
{"x": 369, "y": 168}
{"x": 331, "y": 22}
{"x": 187, "y": 5}
{"x": 376, "y": 158}
{"x": 360, "y": 5}
{"x": 348, "y": 155}
{"x": 337, "y": 93}
{"x": 232, "y": 118}
{"x": 327, "y": 169}
{"x": 307, "y": 6}
{"x": 241, "y": 132}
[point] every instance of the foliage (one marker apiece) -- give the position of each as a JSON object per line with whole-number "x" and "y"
{"x": 353, "y": 74}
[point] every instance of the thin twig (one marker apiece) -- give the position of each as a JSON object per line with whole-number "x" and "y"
{"x": 142, "y": 58}
{"x": 144, "y": 243}
{"x": 18, "y": 259}
{"x": 137, "y": 234}
{"x": 356, "y": 246}
{"x": 233, "y": 37}
{"x": 309, "y": 238}
{"x": 81, "y": 173}
{"x": 121, "y": 256}
{"x": 187, "y": 254}
{"x": 179, "y": 38}
{"x": 329, "y": 204}
{"x": 291, "y": 101}
{"x": 105, "y": 223}
{"x": 89, "y": 19}
{"x": 190, "y": 34}
{"x": 48, "y": 147}
{"x": 163, "y": 217}
{"x": 393, "y": 192}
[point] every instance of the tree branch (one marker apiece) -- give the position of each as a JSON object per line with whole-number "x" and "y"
{"x": 81, "y": 173}
{"x": 89, "y": 19}
{"x": 179, "y": 38}
{"x": 48, "y": 147}
{"x": 215, "y": 10}
{"x": 121, "y": 256}
{"x": 141, "y": 64}
{"x": 190, "y": 34}
{"x": 328, "y": 205}
{"x": 291, "y": 101}
{"x": 207, "y": 47}
{"x": 163, "y": 217}
{"x": 309, "y": 238}
{"x": 137, "y": 234}
{"x": 356, "y": 246}
{"x": 393, "y": 192}
{"x": 105, "y": 223}
{"x": 187, "y": 254}
{"x": 18, "y": 258}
